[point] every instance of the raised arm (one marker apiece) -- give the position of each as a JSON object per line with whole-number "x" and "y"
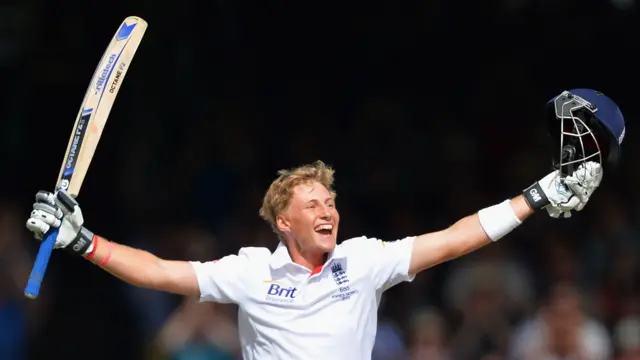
{"x": 143, "y": 269}
{"x": 558, "y": 196}
{"x": 136, "y": 267}
{"x": 466, "y": 235}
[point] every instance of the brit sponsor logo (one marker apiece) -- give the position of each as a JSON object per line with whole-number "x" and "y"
{"x": 280, "y": 293}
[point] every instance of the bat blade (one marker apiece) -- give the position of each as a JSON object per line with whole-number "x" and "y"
{"x": 89, "y": 125}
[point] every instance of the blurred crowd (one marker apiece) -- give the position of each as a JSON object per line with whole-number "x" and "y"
{"x": 428, "y": 113}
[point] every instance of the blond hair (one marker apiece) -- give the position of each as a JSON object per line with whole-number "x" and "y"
{"x": 280, "y": 192}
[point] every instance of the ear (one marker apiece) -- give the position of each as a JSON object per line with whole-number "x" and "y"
{"x": 283, "y": 223}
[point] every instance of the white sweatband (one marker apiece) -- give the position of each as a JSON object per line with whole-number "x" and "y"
{"x": 498, "y": 220}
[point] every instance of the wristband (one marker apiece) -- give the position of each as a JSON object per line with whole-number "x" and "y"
{"x": 498, "y": 220}
{"x": 81, "y": 243}
{"x": 535, "y": 196}
{"x": 106, "y": 259}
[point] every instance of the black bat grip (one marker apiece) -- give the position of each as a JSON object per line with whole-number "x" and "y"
{"x": 66, "y": 200}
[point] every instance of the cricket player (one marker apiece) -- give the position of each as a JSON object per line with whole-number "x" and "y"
{"x": 312, "y": 298}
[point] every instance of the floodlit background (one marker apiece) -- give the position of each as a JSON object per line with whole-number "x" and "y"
{"x": 428, "y": 110}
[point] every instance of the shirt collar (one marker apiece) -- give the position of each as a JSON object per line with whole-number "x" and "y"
{"x": 281, "y": 256}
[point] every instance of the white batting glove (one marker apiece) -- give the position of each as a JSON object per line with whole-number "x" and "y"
{"x": 584, "y": 181}
{"x": 60, "y": 211}
{"x": 559, "y": 196}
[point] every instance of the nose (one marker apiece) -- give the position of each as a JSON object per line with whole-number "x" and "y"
{"x": 325, "y": 214}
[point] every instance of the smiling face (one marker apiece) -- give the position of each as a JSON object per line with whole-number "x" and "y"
{"x": 311, "y": 220}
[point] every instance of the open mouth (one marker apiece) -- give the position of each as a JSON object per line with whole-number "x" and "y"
{"x": 325, "y": 229}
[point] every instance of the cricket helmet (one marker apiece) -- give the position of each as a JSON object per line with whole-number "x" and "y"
{"x": 585, "y": 125}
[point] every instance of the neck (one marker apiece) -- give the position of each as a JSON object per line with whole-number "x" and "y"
{"x": 308, "y": 260}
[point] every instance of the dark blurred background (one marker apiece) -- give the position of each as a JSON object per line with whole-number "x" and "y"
{"x": 428, "y": 110}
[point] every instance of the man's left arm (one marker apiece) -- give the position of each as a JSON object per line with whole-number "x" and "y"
{"x": 467, "y": 234}
{"x": 557, "y": 194}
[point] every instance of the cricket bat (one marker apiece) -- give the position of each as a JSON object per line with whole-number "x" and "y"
{"x": 90, "y": 122}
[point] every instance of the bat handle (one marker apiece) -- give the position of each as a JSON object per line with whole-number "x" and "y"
{"x": 40, "y": 265}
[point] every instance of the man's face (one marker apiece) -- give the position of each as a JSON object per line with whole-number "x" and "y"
{"x": 311, "y": 219}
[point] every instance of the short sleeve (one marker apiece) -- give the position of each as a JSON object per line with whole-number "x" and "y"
{"x": 387, "y": 261}
{"x": 219, "y": 280}
{"x": 223, "y": 280}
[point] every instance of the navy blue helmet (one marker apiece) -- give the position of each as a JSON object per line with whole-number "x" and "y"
{"x": 585, "y": 125}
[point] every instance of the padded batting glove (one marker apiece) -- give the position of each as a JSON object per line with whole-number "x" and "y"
{"x": 60, "y": 210}
{"x": 559, "y": 196}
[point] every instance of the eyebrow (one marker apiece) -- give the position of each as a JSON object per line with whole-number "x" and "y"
{"x": 316, "y": 200}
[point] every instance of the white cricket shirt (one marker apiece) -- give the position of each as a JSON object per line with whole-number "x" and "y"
{"x": 289, "y": 312}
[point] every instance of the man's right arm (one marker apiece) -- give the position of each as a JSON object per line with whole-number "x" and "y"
{"x": 143, "y": 269}
{"x": 209, "y": 281}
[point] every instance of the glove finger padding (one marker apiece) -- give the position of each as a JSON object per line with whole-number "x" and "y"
{"x": 553, "y": 212}
{"x": 45, "y": 197}
{"x": 557, "y": 213}
{"x": 46, "y": 217}
{"x": 571, "y": 203}
{"x": 53, "y": 210}
{"x": 37, "y": 227}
